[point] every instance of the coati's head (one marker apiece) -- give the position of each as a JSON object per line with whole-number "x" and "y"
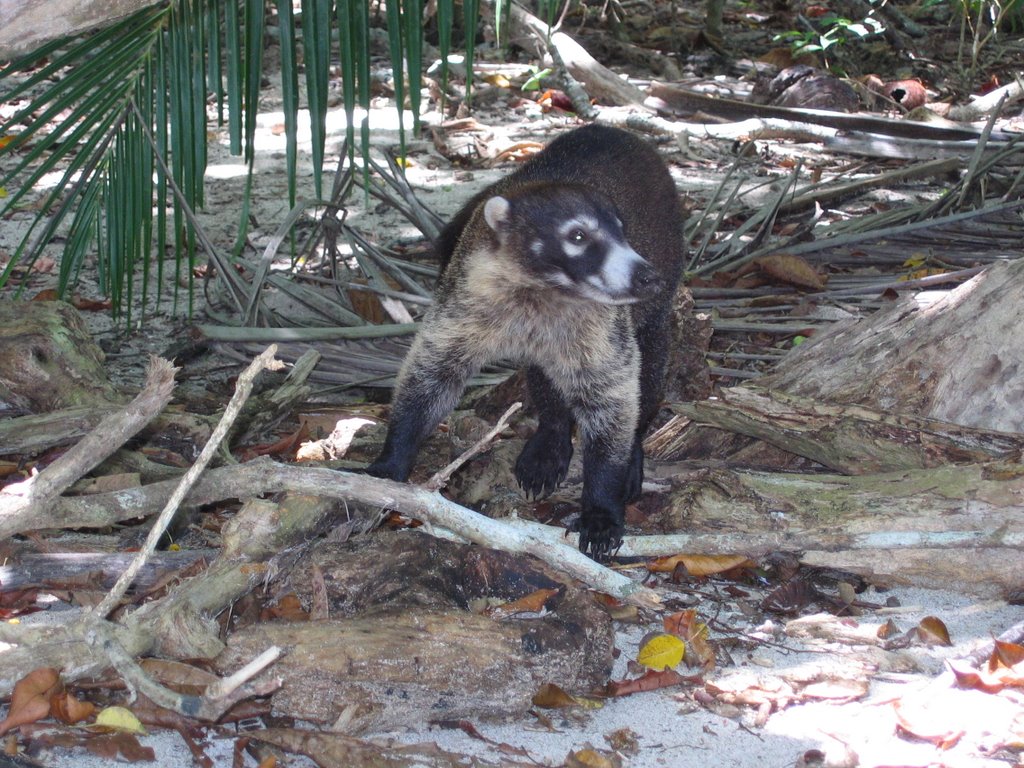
{"x": 570, "y": 237}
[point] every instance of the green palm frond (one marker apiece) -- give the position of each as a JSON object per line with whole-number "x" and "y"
{"x": 98, "y": 113}
{"x": 106, "y": 149}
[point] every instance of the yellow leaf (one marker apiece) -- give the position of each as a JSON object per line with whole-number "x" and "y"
{"x": 498, "y": 80}
{"x": 119, "y": 719}
{"x": 662, "y": 652}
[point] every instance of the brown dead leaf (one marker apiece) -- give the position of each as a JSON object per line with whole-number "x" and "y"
{"x": 649, "y": 681}
{"x": 700, "y": 565}
{"x": 531, "y": 603}
{"x": 288, "y": 607}
{"x": 1006, "y": 655}
{"x": 688, "y": 626}
{"x": 178, "y": 676}
{"x": 30, "y": 700}
{"x": 932, "y": 631}
{"x": 551, "y": 696}
{"x": 589, "y": 757}
{"x": 125, "y": 745}
{"x": 68, "y": 709}
{"x": 793, "y": 270}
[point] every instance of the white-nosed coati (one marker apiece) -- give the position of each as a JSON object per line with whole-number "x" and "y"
{"x": 568, "y": 266}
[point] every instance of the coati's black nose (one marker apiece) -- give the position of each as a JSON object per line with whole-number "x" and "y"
{"x": 646, "y": 280}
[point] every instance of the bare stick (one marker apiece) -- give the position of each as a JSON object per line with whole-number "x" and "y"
{"x": 218, "y": 698}
{"x": 441, "y": 478}
{"x": 242, "y": 391}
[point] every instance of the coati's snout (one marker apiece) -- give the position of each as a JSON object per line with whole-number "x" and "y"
{"x": 572, "y": 238}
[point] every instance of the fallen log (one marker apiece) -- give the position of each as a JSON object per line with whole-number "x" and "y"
{"x": 852, "y": 439}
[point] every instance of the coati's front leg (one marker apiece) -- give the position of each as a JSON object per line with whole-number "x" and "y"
{"x": 429, "y": 385}
{"x": 544, "y": 461}
{"x": 607, "y": 414}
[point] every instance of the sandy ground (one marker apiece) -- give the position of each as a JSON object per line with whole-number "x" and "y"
{"x": 671, "y": 729}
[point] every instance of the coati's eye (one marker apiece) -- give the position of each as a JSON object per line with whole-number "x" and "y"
{"x": 577, "y": 236}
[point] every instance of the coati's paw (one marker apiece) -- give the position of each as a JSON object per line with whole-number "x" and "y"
{"x": 385, "y": 469}
{"x": 632, "y": 487}
{"x": 600, "y": 534}
{"x": 543, "y": 463}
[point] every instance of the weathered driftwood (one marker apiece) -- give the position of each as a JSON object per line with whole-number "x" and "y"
{"x": 958, "y": 527}
{"x": 599, "y": 81}
{"x": 262, "y": 476}
{"x": 675, "y": 98}
{"x": 21, "y": 503}
{"x": 179, "y": 625}
{"x": 854, "y": 439}
{"x": 97, "y": 570}
{"x": 956, "y": 358}
{"x": 404, "y": 643}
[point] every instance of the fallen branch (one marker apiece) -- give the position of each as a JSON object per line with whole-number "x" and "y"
{"x": 852, "y": 439}
{"x": 676, "y": 99}
{"x": 22, "y": 503}
{"x": 599, "y": 81}
{"x": 156, "y": 532}
{"x": 440, "y": 479}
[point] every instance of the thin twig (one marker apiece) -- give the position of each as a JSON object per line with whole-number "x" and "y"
{"x": 440, "y": 479}
{"x": 242, "y": 391}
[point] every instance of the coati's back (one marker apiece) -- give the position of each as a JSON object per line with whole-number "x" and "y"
{"x": 617, "y": 164}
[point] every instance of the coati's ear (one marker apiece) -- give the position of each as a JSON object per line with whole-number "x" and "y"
{"x": 496, "y": 211}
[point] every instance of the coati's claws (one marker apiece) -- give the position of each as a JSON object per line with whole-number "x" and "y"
{"x": 543, "y": 463}
{"x": 600, "y": 537}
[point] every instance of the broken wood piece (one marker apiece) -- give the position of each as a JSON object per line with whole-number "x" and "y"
{"x": 953, "y": 357}
{"x": 242, "y": 390}
{"x": 599, "y": 81}
{"x": 65, "y": 569}
{"x": 22, "y": 503}
{"x": 853, "y": 439}
{"x": 679, "y": 100}
{"x": 910, "y": 527}
{"x": 411, "y": 637}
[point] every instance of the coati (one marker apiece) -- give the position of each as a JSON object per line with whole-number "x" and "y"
{"x": 568, "y": 266}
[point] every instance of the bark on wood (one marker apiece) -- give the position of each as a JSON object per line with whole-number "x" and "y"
{"x": 21, "y": 502}
{"x": 28, "y": 24}
{"x": 956, "y": 527}
{"x": 854, "y": 440}
{"x": 261, "y": 476}
{"x": 48, "y": 360}
{"x": 600, "y": 82}
{"x": 179, "y": 625}
{"x": 98, "y": 569}
{"x": 403, "y": 646}
{"x": 959, "y": 358}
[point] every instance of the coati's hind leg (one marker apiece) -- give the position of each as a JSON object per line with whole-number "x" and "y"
{"x": 544, "y": 461}
{"x": 653, "y": 339}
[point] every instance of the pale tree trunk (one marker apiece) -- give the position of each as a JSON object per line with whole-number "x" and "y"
{"x": 28, "y": 24}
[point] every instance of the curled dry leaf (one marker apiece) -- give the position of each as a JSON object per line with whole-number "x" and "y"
{"x": 531, "y": 603}
{"x": 700, "y": 565}
{"x": 68, "y": 709}
{"x": 649, "y": 681}
{"x": 687, "y": 626}
{"x": 932, "y": 631}
{"x": 787, "y": 268}
{"x": 30, "y": 700}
